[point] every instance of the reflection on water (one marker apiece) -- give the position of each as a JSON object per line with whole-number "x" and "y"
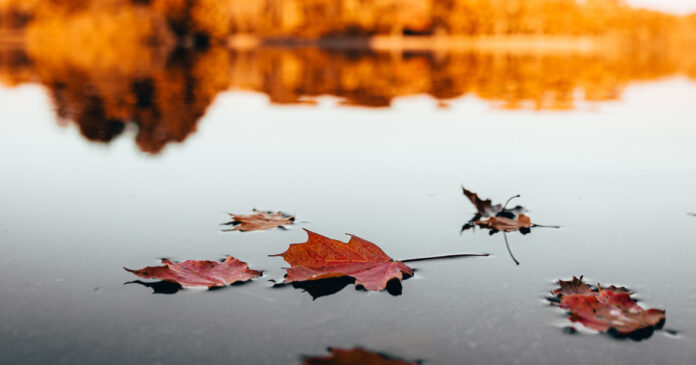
{"x": 330, "y": 286}
{"x": 159, "y": 287}
{"x": 165, "y": 96}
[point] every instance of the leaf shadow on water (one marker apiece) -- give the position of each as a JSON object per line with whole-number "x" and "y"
{"x": 168, "y": 287}
{"x": 159, "y": 287}
{"x": 325, "y": 287}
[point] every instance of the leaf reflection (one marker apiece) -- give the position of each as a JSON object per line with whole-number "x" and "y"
{"x": 325, "y": 287}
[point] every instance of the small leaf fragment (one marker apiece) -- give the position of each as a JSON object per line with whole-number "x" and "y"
{"x": 483, "y": 207}
{"x": 573, "y": 286}
{"x": 260, "y": 221}
{"x": 200, "y": 272}
{"x": 522, "y": 223}
{"x": 354, "y": 356}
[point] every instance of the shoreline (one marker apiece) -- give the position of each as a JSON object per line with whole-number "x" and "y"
{"x": 388, "y": 43}
{"x": 521, "y": 44}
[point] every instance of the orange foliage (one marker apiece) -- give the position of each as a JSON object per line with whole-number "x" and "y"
{"x": 317, "y": 18}
{"x": 109, "y": 63}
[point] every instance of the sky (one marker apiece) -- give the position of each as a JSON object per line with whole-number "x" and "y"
{"x": 672, "y": 6}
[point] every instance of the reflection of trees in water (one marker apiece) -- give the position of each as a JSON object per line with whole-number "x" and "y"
{"x": 165, "y": 95}
{"x": 512, "y": 81}
{"x": 165, "y": 102}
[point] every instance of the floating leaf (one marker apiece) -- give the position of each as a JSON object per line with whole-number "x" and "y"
{"x": 354, "y": 356}
{"x": 495, "y": 224}
{"x": 322, "y": 258}
{"x": 199, "y": 272}
{"x": 607, "y": 310}
{"x": 484, "y": 208}
{"x": 260, "y": 221}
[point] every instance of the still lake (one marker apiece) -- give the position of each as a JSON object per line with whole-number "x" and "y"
{"x": 81, "y": 198}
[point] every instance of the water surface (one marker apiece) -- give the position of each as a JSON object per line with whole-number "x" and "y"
{"x": 616, "y": 172}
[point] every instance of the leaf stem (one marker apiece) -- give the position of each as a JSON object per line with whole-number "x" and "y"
{"x": 543, "y": 226}
{"x": 445, "y": 257}
{"x": 506, "y": 203}
{"x": 509, "y": 251}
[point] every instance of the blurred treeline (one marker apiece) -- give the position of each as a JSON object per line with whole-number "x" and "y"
{"x": 320, "y": 18}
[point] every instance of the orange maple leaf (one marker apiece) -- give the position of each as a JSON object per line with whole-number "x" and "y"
{"x": 322, "y": 258}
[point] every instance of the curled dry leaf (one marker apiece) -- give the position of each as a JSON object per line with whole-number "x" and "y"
{"x": 573, "y": 286}
{"x": 483, "y": 207}
{"x": 353, "y": 357}
{"x": 606, "y": 310}
{"x": 199, "y": 272}
{"x": 260, "y": 221}
{"x": 522, "y": 224}
{"x": 322, "y": 258}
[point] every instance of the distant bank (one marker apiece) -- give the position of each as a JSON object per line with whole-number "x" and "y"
{"x": 486, "y": 43}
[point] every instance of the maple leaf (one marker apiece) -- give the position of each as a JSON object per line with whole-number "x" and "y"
{"x": 260, "y": 221}
{"x": 200, "y": 272}
{"x": 354, "y": 356}
{"x": 608, "y": 310}
{"x": 322, "y": 258}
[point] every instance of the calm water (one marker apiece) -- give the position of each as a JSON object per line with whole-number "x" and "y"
{"x": 615, "y": 168}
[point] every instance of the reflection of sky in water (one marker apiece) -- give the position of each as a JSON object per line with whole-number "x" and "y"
{"x": 675, "y": 6}
{"x": 617, "y": 176}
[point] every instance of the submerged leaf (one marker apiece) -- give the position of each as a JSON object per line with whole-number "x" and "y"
{"x": 354, "y": 356}
{"x": 199, "y": 272}
{"x": 322, "y": 258}
{"x": 607, "y": 310}
{"x": 260, "y": 221}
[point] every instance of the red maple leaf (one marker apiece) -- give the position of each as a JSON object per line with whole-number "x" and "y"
{"x": 610, "y": 309}
{"x": 199, "y": 272}
{"x": 322, "y": 258}
{"x": 354, "y": 356}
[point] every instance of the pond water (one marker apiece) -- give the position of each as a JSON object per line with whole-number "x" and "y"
{"x": 101, "y": 171}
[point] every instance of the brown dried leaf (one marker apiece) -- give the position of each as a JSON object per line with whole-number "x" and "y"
{"x": 506, "y": 224}
{"x": 260, "y": 221}
{"x": 483, "y": 207}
